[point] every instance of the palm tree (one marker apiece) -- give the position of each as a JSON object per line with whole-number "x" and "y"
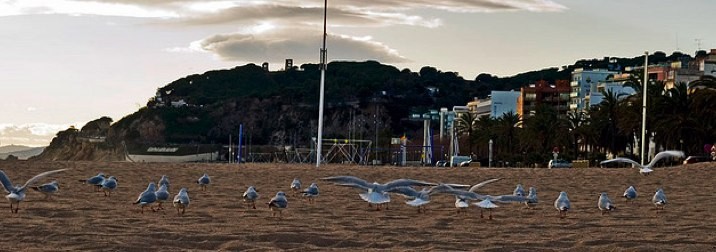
{"x": 606, "y": 115}
{"x": 465, "y": 126}
{"x": 507, "y": 125}
{"x": 576, "y": 122}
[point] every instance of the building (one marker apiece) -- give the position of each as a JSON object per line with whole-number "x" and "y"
{"x": 542, "y": 93}
{"x": 496, "y": 104}
{"x": 583, "y": 82}
{"x": 707, "y": 65}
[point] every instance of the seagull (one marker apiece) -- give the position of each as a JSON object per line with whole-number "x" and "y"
{"x": 422, "y": 197}
{"x": 17, "y": 193}
{"x": 311, "y": 192}
{"x": 162, "y": 195}
{"x": 486, "y": 204}
{"x": 562, "y": 204}
{"x": 96, "y": 181}
{"x": 659, "y": 200}
{"x": 605, "y": 204}
{"x": 461, "y": 204}
{"x": 181, "y": 201}
{"x": 47, "y": 189}
{"x": 108, "y": 185}
{"x": 148, "y": 197}
{"x": 203, "y": 181}
{"x": 646, "y": 169}
{"x": 462, "y": 198}
{"x": 519, "y": 191}
{"x": 376, "y": 193}
{"x": 250, "y": 196}
{"x": 630, "y": 194}
{"x": 278, "y": 203}
{"x": 531, "y": 200}
{"x": 296, "y": 185}
{"x": 164, "y": 181}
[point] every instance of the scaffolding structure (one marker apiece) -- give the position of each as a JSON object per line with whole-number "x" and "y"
{"x": 346, "y": 150}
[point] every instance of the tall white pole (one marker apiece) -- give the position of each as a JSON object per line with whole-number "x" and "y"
{"x": 319, "y": 143}
{"x": 644, "y": 148}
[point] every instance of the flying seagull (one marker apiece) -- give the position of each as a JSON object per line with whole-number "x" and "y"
{"x": 17, "y": 193}
{"x": 376, "y": 193}
{"x": 646, "y": 169}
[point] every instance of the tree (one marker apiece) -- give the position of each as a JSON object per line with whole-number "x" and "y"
{"x": 507, "y": 126}
{"x": 465, "y": 126}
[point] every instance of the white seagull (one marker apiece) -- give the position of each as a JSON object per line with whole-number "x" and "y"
{"x": 311, "y": 193}
{"x": 422, "y": 197}
{"x": 17, "y": 193}
{"x": 148, "y": 197}
{"x": 162, "y": 195}
{"x": 164, "y": 181}
{"x": 108, "y": 185}
{"x": 278, "y": 203}
{"x": 659, "y": 200}
{"x": 519, "y": 191}
{"x": 376, "y": 193}
{"x": 646, "y": 169}
{"x": 296, "y": 185}
{"x": 605, "y": 204}
{"x": 96, "y": 181}
{"x": 630, "y": 194}
{"x": 181, "y": 201}
{"x": 562, "y": 204}
{"x": 250, "y": 196}
{"x": 204, "y": 181}
{"x": 531, "y": 199}
{"x": 47, "y": 189}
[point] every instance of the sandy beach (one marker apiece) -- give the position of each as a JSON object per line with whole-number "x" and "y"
{"x": 78, "y": 218}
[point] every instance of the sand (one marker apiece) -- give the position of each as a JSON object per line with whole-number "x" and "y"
{"x": 78, "y": 218}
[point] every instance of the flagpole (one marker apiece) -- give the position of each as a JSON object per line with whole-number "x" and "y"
{"x": 319, "y": 142}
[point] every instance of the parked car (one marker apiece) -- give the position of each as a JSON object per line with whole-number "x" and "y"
{"x": 697, "y": 159}
{"x": 559, "y": 163}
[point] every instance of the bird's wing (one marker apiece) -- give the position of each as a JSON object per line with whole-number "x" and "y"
{"x": 39, "y": 176}
{"x": 442, "y": 188}
{"x": 665, "y": 154}
{"x": 623, "y": 160}
{"x": 467, "y": 195}
{"x": 7, "y": 185}
{"x": 406, "y": 182}
{"x": 508, "y": 198}
{"x": 405, "y": 190}
{"x": 483, "y": 183}
{"x": 349, "y": 181}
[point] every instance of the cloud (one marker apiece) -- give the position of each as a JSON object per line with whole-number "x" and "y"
{"x": 34, "y": 134}
{"x": 301, "y": 46}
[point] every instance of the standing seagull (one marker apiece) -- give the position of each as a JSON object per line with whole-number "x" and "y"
{"x": 96, "y": 181}
{"x": 278, "y": 203}
{"x": 531, "y": 200}
{"x": 646, "y": 169}
{"x": 17, "y": 193}
{"x": 296, "y": 185}
{"x": 519, "y": 191}
{"x": 162, "y": 196}
{"x": 630, "y": 194}
{"x": 311, "y": 193}
{"x": 562, "y": 204}
{"x": 148, "y": 197}
{"x": 47, "y": 189}
{"x": 250, "y": 196}
{"x": 203, "y": 181}
{"x": 108, "y": 185}
{"x": 659, "y": 200}
{"x": 164, "y": 181}
{"x": 181, "y": 201}
{"x": 605, "y": 204}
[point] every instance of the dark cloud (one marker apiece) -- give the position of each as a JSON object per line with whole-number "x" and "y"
{"x": 297, "y": 45}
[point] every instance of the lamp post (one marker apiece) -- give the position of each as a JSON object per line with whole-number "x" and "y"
{"x": 319, "y": 142}
{"x": 489, "y": 160}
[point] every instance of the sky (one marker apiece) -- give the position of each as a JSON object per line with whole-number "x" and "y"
{"x": 66, "y": 62}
